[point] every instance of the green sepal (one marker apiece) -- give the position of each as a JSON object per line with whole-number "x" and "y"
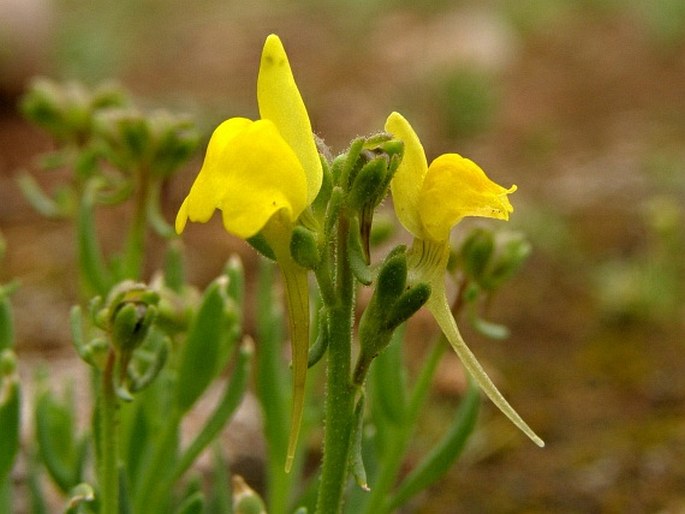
{"x": 334, "y": 206}
{"x": 304, "y": 247}
{"x": 352, "y": 164}
{"x": 201, "y": 351}
{"x": 407, "y": 305}
{"x": 258, "y": 242}
{"x": 10, "y": 407}
{"x": 356, "y": 254}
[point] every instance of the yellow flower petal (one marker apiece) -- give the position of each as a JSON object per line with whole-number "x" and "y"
{"x": 408, "y": 179}
{"x": 280, "y": 101}
{"x": 249, "y": 173}
{"x": 455, "y": 187}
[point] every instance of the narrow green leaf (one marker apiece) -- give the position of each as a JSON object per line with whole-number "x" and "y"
{"x": 220, "y": 501}
{"x": 193, "y": 504}
{"x": 273, "y": 386}
{"x": 56, "y": 436}
{"x": 39, "y": 199}
{"x": 174, "y": 273}
{"x": 443, "y": 455}
{"x": 95, "y": 272}
{"x": 198, "y": 363}
{"x": 9, "y": 413}
{"x": 233, "y": 395}
{"x": 6, "y": 323}
{"x": 388, "y": 382}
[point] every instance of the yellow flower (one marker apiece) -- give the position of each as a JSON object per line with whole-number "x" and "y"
{"x": 429, "y": 201}
{"x": 254, "y": 169}
{"x": 263, "y": 175}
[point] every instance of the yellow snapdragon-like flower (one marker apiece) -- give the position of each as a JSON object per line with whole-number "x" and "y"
{"x": 254, "y": 169}
{"x": 429, "y": 201}
{"x": 262, "y": 175}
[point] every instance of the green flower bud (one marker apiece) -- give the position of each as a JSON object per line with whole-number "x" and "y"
{"x": 132, "y": 309}
{"x": 175, "y": 138}
{"x": 304, "y": 248}
{"x": 512, "y": 249}
{"x": 392, "y": 279}
{"x": 127, "y": 135}
{"x": 66, "y": 110}
{"x": 368, "y": 184}
{"x": 407, "y": 305}
{"x": 476, "y": 252}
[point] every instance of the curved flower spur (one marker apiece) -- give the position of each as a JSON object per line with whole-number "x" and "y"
{"x": 263, "y": 175}
{"x": 429, "y": 201}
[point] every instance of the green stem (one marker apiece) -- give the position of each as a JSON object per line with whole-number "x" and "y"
{"x": 135, "y": 242}
{"x": 340, "y": 393}
{"x": 109, "y": 440}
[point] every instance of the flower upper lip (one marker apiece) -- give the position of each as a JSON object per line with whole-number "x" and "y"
{"x": 253, "y": 169}
{"x": 430, "y": 200}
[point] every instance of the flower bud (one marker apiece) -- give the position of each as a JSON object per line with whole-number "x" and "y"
{"x": 367, "y": 185}
{"x": 132, "y": 308}
{"x": 407, "y": 304}
{"x": 511, "y": 251}
{"x": 304, "y": 248}
{"x": 392, "y": 279}
{"x": 476, "y": 252}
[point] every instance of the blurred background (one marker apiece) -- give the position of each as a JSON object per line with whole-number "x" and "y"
{"x": 580, "y": 103}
